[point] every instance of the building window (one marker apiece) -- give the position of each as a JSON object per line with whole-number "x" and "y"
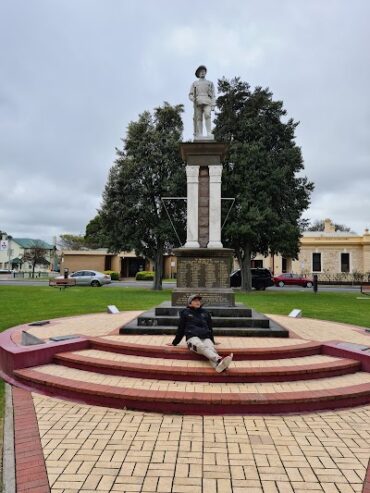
{"x": 258, "y": 264}
{"x": 344, "y": 262}
{"x": 284, "y": 265}
{"x": 108, "y": 262}
{"x": 316, "y": 262}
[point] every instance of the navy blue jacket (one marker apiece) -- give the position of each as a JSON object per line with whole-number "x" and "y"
{"x": 194, "y": 322}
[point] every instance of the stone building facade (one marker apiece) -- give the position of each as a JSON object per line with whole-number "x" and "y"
{"x": 326, "y": 253}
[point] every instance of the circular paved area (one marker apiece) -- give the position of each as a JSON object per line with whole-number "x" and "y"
{"x": 97, "y": 449}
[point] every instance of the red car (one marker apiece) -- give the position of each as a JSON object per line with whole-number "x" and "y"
{"x": 292, "y": 279}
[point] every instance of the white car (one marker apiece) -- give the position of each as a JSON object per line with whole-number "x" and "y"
{"x": 89, "y": 278}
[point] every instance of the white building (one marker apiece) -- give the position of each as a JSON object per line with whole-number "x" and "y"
{"x": 15, "y": 254}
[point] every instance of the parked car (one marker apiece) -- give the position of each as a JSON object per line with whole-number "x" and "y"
{"x": 89, "y": 278}
{"x": 261, "y": 279}
{"x": 293, "y": 280}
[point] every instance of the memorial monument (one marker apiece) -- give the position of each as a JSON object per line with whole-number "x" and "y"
{"x": 203, "y": 264}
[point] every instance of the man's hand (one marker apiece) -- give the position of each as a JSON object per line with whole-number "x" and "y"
{"x": 169, "y": 344}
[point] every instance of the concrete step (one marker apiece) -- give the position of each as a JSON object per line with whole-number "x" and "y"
{"x": 164, "y": 319}
{"x": 149, "y": 320}
{"x": 133, "y": 328}
{"x": 198, "y": 398}
{"x": 240, "y": 310}
{"x": 200, "y": 371}
{"x": 273, "y": 330}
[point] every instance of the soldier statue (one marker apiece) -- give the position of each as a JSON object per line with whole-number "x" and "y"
{"x": 202, "y": 93}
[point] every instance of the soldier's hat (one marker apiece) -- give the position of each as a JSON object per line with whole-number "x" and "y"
{"x": 201, "y": 67}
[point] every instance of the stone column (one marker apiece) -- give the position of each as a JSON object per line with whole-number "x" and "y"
{"x": 192, "y": 179}
{"x": 215, "y": 172}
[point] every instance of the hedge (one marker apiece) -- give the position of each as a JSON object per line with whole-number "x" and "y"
{"x": 145, "y": 275}
{"x": 113, "y": 274}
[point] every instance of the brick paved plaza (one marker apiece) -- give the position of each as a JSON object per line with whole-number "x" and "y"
{"x": 92, "y": 448}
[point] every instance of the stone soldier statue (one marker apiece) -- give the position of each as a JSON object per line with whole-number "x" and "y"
{"x": 202, "y": 93}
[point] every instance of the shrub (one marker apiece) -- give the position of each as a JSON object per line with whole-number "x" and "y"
{"x": 145, "y": 275}
{"x": 113, "y": 274}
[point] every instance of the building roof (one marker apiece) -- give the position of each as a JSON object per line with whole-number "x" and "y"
{"x": 98, "y": 251}
{"x": 31, "y": 242}
{"x": 323, "y": 234}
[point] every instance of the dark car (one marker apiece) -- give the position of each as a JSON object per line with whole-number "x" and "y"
{"x": 261, "y": 279}
{"x": 293, "y": 280}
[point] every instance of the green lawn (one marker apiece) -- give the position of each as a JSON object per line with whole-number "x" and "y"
{"x": 336, "y": 306}
{"x": 21, "y": 304}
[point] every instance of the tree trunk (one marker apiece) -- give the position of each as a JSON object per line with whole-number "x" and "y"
{"x": 245, "y": 270}
{"x": 158, "y": 271}
{"x": 33, "y": 270}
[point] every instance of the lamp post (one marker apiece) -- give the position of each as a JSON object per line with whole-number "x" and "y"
{"x": 9, "y": 238}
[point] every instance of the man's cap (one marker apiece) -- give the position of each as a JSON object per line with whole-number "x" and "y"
{"x": 194, "y": 297}
{"x": 201, "y": 67}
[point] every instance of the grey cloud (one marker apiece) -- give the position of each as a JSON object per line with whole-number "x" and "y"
{"x": 75, "y": 73}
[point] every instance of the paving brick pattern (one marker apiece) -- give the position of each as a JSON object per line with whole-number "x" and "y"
{"x": 97, "y": 449}
{"x": 95, "y": 324}
{"x": 321, "y": 330}
{"x": 90, "y": 449}
{"x": 239, "y": 342}
{"x": 126, "y": 358}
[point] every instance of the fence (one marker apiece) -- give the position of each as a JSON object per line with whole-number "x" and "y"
{"x": 28, "y": 275}
{"x": 344, "y": 278}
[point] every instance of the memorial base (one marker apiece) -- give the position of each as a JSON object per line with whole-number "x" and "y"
{"x": 205, "y": 271}
{"x": 210, "y": 297}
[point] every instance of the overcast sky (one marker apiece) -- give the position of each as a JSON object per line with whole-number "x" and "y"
{"x": 73, "y": 73}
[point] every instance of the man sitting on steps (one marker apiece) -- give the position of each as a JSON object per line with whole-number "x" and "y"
{"x": 196, "y": 325}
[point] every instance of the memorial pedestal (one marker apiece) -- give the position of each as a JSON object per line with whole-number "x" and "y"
{"x": 205, "y": 271}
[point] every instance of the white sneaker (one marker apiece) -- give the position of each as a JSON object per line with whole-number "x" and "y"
{"x": 224, "y": 363}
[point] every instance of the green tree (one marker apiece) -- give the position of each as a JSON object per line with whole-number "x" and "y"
{"x": 94, "y": 235}
{"x": 69, "y": 241}
{"x": 261, "y": 172}
{"x": 148, "y": 169}
{"x": 319, "y": 225}
{"x": 35, "y": 255}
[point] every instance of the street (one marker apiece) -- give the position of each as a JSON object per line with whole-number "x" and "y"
{"x": 172, "y": 284}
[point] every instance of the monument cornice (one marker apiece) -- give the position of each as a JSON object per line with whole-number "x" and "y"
{"x": 204, "y": 148}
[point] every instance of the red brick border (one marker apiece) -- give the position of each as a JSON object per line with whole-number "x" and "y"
{"x": 366, "y": 485}
{"x": 173, "y": 402}
{"x": 30, "y": 468}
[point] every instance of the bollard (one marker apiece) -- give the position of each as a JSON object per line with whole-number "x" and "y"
{"x": 315, "y": 283}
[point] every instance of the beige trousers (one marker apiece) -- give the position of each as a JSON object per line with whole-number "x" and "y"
{"x": 204, "y": 347}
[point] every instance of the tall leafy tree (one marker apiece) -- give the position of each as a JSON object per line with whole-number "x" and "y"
{"x": 262, "y": 171}
{"x": 147, "y": 169}
{"x": 319, "y": 225}
{"x": 70, "y": 241}
{"x": 35, "y": 255}
{"x": 94, "y": 235}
